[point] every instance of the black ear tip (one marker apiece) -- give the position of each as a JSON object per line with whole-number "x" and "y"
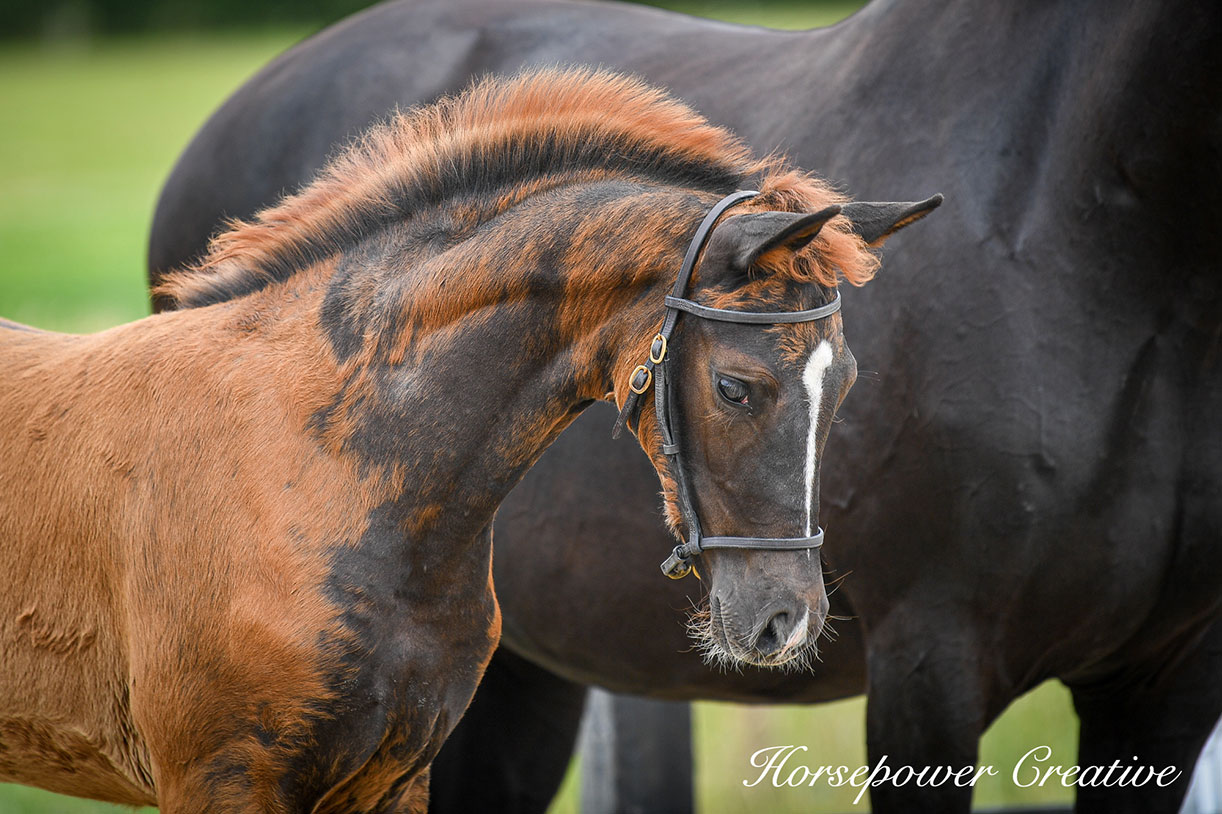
{"x": 874, "y": 221}
{"x": 822, "y": 216}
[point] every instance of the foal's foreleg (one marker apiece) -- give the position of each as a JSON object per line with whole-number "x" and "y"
{"x": 415, "y": 797}
{"x": 410, "y": 796}
{"x": 511, "y": 748}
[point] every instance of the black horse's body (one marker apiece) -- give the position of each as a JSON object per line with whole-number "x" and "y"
{"x": 1028, "y": 487}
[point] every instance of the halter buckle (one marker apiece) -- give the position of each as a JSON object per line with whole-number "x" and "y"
{"x": 678, "y": 564}
{"x": 657, "y": 349}
{"x": 636, "y": 374}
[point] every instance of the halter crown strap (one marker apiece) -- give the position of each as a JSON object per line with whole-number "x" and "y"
{"x": 654, "y": 372}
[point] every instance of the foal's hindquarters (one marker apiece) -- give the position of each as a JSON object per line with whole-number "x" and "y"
{"x": 188, "y": 601}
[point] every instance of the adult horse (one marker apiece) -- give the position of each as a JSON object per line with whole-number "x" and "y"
{"x": 1029, "y": 486}
{"x": 249, "y": 541}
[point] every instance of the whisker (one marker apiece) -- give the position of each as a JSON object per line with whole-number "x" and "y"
{"x": 700, "y": 624}
{"x": 829, "y": 631}
{"x": 834, "y": 584}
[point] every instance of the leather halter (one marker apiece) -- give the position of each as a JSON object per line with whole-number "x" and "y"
{"x": 679, "y": 563}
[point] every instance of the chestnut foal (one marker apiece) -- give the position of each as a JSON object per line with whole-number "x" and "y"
{"x": 249, "y": 539}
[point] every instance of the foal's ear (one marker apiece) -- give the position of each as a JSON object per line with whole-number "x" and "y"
{"x": 876, "y": 222}
{"x": 742, "y": 240}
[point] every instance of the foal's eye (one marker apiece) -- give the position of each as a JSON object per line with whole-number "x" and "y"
{"x": 732, "y": 390}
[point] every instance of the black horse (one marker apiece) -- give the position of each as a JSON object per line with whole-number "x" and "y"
{"x": 1027, "y": 488}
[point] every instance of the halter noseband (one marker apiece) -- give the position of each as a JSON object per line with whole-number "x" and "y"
{"x": 679, "y": 563}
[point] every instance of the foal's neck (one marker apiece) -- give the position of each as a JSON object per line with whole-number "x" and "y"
{"x": 458, "y": 367}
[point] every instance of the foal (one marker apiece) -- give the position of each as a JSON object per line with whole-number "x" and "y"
{"x": 248, "y": 541}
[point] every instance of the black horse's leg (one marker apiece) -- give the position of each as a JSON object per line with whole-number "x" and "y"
{"x": 926, "y": 706}
{"x": 636, "y": 755}
{"x": 511, "y": 748}
{"x": 1162, "y": 719}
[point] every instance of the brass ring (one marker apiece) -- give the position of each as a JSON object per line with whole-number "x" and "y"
{"x": 648, "y": 379}
{"x": 661, "y": 355}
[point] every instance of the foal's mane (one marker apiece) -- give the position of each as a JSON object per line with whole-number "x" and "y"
{"x": 496, "y": 143}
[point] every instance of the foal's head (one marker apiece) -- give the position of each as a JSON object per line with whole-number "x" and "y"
{"x": 755, "y": 402}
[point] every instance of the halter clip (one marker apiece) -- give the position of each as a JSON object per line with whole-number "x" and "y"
{"x": 678, "y": 564}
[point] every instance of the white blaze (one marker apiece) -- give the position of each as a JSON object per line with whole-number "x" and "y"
{"x": 812, "y": 377}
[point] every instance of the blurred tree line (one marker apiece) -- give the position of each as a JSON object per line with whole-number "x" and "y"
{"x": 78, "y": 18}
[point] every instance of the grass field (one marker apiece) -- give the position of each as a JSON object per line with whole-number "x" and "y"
{"x": 89, "y": 132}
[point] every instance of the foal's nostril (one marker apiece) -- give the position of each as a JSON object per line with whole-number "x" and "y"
{"x": 774, "y": 635}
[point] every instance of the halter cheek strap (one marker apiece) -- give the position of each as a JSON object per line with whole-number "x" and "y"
{"x": 654, "y": 371}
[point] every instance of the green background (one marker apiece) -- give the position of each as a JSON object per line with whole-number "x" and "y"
{"x": 91, "y": 124}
